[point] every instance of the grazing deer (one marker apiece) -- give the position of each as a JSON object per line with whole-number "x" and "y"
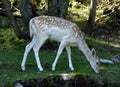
{"x": 63, "y": 31}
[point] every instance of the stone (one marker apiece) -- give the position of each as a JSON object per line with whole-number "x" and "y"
{"x": 106, "y": 61}
{"x": 18, "y": 85}
{"x": 116, "y": 59}
{"x": 66, "y": 76}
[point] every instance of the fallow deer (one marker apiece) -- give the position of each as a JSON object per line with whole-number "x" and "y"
{"x": 66, "y": 32}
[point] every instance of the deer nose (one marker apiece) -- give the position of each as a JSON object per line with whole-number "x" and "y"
{"x": 97, "y": 71}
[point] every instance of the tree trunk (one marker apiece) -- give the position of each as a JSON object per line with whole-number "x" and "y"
{"x": 27, "y": 14}
{"x": 59, "y": 8}
{"x": 55, "y": 7}
{"x": 48, "y": 4}
{"x": 63, "y": 8}
{"x": 13, "y": 22}
{"x": 92, "y": 15}
{"x": 35, "y": 4}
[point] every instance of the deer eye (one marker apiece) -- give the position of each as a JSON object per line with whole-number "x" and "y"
{"x": 97, "y": 63}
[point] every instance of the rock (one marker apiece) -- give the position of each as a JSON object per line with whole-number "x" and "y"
{"x": 116, "y": 59}
{"x": 26, "y": 83}
{"x": 106, "y": 61}
{"x": 56, "y": 81}
{"x": 66, "y": 76}
{"x": 18, "y": 85}
{"x": 42, "y": 82}
{"x": 84, "y": 81}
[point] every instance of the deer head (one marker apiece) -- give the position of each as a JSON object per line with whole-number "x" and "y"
{"x": 94, "y": 61}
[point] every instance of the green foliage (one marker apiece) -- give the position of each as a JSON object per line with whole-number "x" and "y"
{"x": 7, "y": 35}
{"x": 8, "y": 38}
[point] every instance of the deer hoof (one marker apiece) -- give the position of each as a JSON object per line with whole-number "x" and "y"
{"x": 53, "y": 69}
{"x": 23, "y": 68}
{"x": 40, "y": 69}
{"x": 72, "y": 69}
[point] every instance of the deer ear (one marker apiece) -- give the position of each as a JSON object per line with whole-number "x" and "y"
{"x": 93, "y": 52}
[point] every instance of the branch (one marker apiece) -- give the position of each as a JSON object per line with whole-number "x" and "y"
{"x": 4, "y": 13}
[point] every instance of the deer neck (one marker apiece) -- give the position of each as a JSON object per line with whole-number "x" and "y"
{"x": 85, "y": 49}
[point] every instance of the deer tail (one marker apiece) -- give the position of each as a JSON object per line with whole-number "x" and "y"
{"x": 31, "y": 28}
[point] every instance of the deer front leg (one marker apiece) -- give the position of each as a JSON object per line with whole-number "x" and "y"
{"x": 27, "y": 50}
{"x": 68, "y": 49}
{"x": 61, "y": 47}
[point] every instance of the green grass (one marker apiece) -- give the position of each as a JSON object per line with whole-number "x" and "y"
{"x": 11, "y": 53}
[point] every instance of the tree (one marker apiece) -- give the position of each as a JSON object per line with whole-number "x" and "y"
{"x": 91, "y": 19}
{"x": 11, "y": 18}
{"x": 35, "y": 4}
{"x": 55, "y": 8}
{"x": 58, "y": 7}
{"x": 27, "y": 14}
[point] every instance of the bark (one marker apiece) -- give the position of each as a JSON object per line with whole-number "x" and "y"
{"x": 92, "y": 16}
{"x": 55, "y": 7}
{"x": 27, "y": 14}
{"x": 64, "y": 8}
{"x": 4, "y": 14}
{"x": 35, "y": 4}
{"x": 13, "y": 22}
{"x": 59, "y": 8}
{"x": 48, "y": 4}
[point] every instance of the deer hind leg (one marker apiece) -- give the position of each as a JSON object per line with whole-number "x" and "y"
{"x": 37, "y": 46}
{"x": 68, "y": 49}
{"x": 60, "y": 49}
{"x": 27, "y": 50}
